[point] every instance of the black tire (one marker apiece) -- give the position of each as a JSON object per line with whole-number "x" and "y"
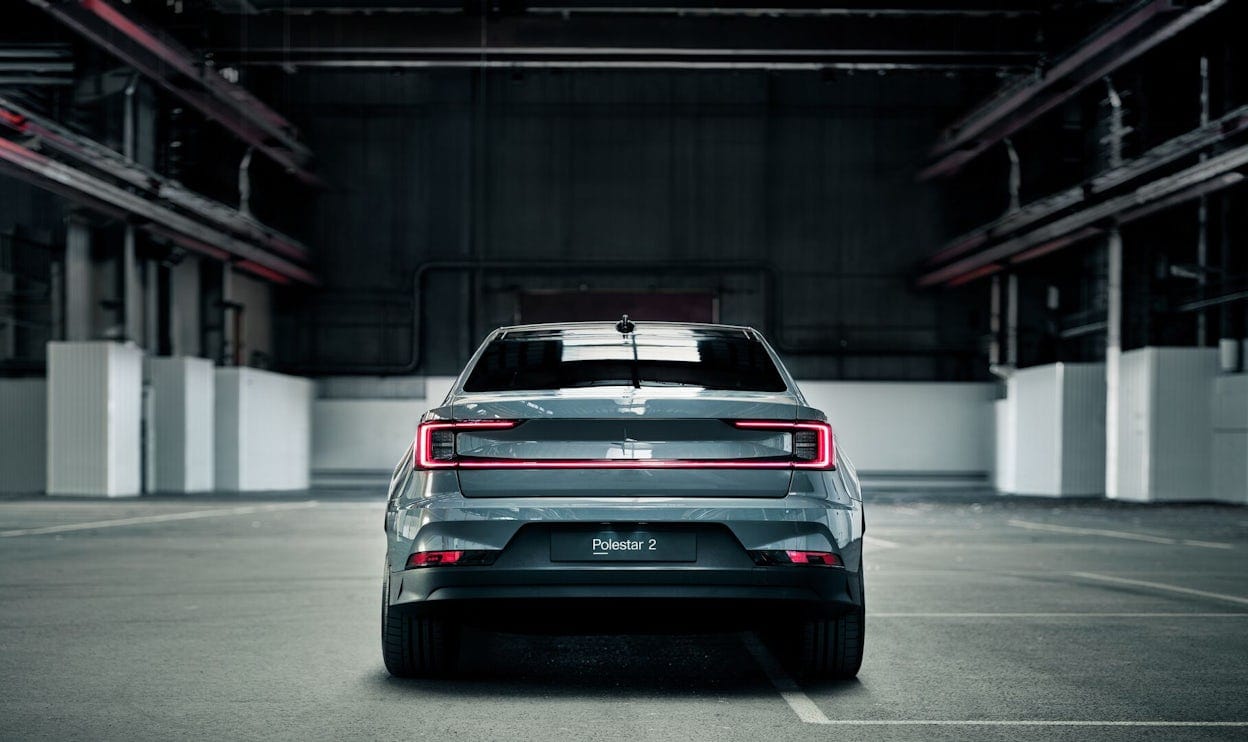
{"x": 415, "y": 645}
{"x": 831, "y": 648}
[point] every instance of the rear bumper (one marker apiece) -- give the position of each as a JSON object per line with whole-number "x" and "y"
{"x": 825, "y": 588}
{"x": 723, "y": 571}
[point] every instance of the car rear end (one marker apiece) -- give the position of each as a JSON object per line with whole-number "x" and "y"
{"x": 670, "y": 466}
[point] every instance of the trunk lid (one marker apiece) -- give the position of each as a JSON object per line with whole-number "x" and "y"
{"x": 626, "y": 424}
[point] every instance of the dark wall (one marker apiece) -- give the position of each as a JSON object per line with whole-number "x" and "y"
{"x": 791, "y": 195}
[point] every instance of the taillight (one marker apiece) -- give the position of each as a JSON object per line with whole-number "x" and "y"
{"x": 793, "y": 557}
{"x": 813, "y": 444}
{"x": 435, "y": 448}
{"x": 462, "y": 558}
{"x": 435, "y": 441}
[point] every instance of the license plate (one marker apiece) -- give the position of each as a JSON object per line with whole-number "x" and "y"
{"x": 623, "y": 546}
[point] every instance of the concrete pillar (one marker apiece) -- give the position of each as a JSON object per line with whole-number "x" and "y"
{"x": 132, "y": 290}
{"x": 1113, "y": 359}
{"x": 184, "y": 308}
{"x": 77, "y": 281}
{"x": 249, "y": 317}
{"x": 181, "y": 424}
{"x": 93, "y": 418}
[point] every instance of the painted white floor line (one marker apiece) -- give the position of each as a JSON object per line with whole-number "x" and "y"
{"x": 1207, "y": 544}
{"x": 1058, "y": 615}
{"x": 1023, "y": 723}
{"x": 1161, "y": 586}
{"x": 1051, "y": 528}
{"x": 882, "y": 543}
{"x": 189, "y": 515}
{"x": 801, "y": 704}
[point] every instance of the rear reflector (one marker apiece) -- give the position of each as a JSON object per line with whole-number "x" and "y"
{"x": 463, "y": 558}
{"x": 820, "y": 558}
{"x": 769, "y": 558}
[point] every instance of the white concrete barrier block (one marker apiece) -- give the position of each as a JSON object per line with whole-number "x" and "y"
{"x": 94, "y": 412}
{"x": 262, "y": 430}
{"x": 1059, "y": 430}
{"x": 1165, "y": 424}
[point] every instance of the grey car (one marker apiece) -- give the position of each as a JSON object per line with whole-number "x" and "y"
{"x": 609, "y": 466}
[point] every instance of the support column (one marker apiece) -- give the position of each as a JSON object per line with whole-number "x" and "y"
{"x": 1011, "y": 322}
{"x": 182, "y": 424}
{"x": 1113, "y": 358}
{"x": 77, "y": 281}
{"x": 131, "y": 291}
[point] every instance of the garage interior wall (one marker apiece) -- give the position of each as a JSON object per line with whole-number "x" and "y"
{"x": 449, "y": 195}
{"x": 811, "y": 175}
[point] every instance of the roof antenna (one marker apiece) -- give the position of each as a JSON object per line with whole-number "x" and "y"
{"x": 625, "y": 325}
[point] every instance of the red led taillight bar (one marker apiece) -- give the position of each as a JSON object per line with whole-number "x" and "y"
{"x": 824, "y": 445}
{"x": 435, "y": 449}
{"x": 424, "y": 450}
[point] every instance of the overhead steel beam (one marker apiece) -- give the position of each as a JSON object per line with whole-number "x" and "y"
{"x": 89, "y": 153}
{"x": 1214, "y": 174}
{"x": 871, "y": 8}
{"x": 26, "y": 164}
{"x": 794, "y": 9}
{"x": 626, "y": 41}
{"x": 1129, "y": 35}
{"x": 175, "y": 69}
{"x": 1185, "y": 145}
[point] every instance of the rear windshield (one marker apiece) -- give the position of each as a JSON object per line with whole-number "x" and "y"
{"x": 710, "y": 359}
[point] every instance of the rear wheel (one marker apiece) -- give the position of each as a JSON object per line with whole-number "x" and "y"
{"x": 415, "y": 645}
{"x": 830, "y": 648}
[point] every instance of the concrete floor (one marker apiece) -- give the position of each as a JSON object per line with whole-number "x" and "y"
{"x": 238, "y": 618}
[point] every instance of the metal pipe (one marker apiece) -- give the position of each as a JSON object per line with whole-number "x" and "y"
{"x": 476, "y": 267}
{"x": 1016, "y": 174}
{"x": 764, "y": 270}
{"x": 632, "y": 64}
{"x": 1011, "y": 322}
{"x": 128, "y": 133}
{"x": 131, "y": 291}
{"x": 995, "y": 367}
{"x": 1116, "y": 129}
{"x": 244, "y": 184}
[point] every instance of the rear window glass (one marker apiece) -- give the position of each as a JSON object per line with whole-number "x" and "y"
{"x": 708, "y": 359}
